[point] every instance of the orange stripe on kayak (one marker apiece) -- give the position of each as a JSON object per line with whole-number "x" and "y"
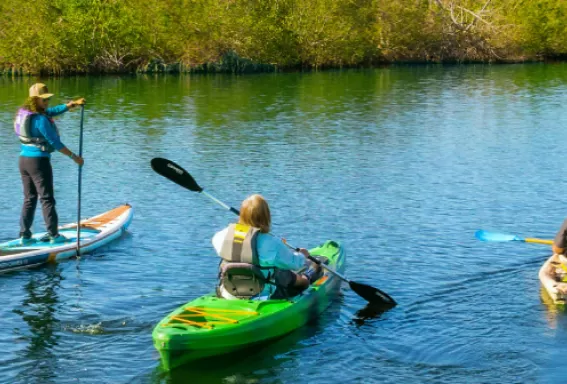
{"x": 221, "y": 310}
{"x": 203, "y": 325}
{"x": 209, "y": 320}
{"x": 205, "y": 313}
{"x": 321, "y": 280}
{"x": 105, "y": 218}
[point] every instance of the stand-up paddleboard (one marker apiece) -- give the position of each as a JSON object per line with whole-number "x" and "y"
{"x": 95, "y": 232}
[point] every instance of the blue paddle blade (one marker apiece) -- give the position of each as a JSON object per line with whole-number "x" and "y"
{"x": 494, "y": 236}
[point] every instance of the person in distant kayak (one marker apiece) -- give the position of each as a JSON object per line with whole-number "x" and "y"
{"x": 557, "y": 269}
{"x": 560, "y": 241}
{"x": 250, "y": 253}
{"x": 39, "y": 137}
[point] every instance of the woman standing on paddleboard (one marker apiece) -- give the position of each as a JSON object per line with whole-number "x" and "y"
{"x": 39, "y": 137}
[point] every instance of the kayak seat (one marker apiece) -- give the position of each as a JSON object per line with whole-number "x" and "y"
{"x": 242, "y": 280}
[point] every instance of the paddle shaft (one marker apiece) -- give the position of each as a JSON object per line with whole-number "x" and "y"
{"x": 369, "y": 293}
{"x": 79, "y": 183}
{"x": 538, "y": 241}
{"x": 237, "y": 212}
{"x": 178, "y": 175}
{"x": 231, "y": 209}
{"x": 318, "y": 262}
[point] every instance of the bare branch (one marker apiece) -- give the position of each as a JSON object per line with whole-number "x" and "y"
{"x": 475, "y": 15}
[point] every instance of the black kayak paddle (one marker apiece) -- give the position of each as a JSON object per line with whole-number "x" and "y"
{"x": 180, "y": 176}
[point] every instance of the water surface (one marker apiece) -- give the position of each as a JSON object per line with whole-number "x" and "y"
{"x": 400, "y": 164}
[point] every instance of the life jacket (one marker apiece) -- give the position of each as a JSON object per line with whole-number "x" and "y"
{"x": 239, "y": 245}
{"x": 22, "y": 129}
{"x": 240, "y": 273}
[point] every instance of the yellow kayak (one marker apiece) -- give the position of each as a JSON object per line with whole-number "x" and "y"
{"x": 553, "y": 277}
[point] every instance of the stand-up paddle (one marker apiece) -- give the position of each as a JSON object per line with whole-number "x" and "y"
{"x": 79, "y": 187}
{"x": 180, "y": 176}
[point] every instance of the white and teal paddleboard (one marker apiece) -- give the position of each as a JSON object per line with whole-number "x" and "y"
{"x": 95, "y": 232}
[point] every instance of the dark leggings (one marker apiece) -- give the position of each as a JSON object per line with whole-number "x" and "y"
{"x": 37, "y": 179}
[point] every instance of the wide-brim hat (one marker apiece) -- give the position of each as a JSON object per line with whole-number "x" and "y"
{"x": 40, "y": 90}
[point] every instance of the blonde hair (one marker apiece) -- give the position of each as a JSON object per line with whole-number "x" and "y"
{"x": 255, "y": 212}
{"x": 31, "y": 104}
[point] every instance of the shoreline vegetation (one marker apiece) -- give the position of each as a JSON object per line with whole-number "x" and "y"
{"x": 65, "y": 37}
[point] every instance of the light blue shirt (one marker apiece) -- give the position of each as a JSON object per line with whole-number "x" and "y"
{"x": 272, "y": 252}
{"x": 42, "y": 127}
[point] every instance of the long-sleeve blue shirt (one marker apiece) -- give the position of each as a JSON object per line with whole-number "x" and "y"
{"x": 42, "y": 127}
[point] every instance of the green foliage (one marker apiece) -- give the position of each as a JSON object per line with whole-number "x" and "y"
{"x": 542, "y": 26}
{"x": 81, "y": 36}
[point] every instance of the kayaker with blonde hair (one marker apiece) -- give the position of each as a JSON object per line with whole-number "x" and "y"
{"x": 39, "y": 137}
{"x": 251, "y": 254}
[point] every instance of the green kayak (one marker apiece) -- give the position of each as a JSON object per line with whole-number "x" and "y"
{"x": 210, "y": 326}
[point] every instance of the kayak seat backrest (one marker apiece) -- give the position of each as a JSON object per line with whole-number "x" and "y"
{"x": 242, "y": 280}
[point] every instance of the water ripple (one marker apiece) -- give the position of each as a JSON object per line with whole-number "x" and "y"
{"x": 400, "y": 164}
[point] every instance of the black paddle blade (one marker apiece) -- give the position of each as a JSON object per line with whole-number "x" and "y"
{"x": 371, "y": 294}
{"x": 175, "y": 173}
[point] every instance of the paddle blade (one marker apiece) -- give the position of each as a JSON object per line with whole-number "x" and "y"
{"x": 371, "y": 294}
{"x": 494, "y": 236}
{"x": 175, "y": 173}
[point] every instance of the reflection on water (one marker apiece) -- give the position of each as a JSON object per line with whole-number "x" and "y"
{"x": 400, "y": 164}
{"x": 555, "y": 312}
{"x": 370, "y": 312}
{"x": 38, "y": 310}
